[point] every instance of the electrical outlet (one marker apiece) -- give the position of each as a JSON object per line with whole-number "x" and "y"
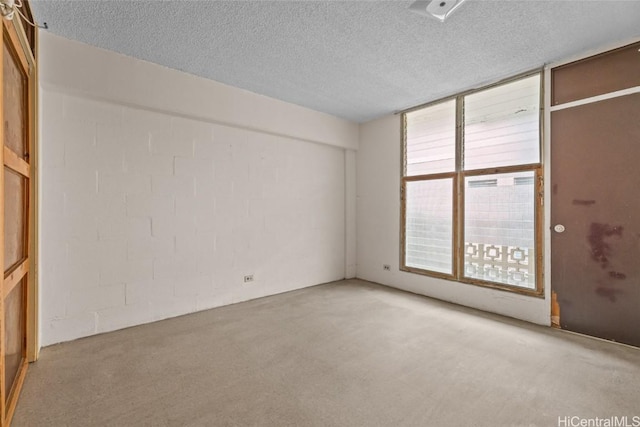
{"x": 386, "y": 267}
{"x": 248, "y": 278}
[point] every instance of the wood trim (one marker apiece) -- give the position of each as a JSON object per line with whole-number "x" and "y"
{"x": 10, "y": 30}
{"x": 33, "y": 348}
{"x": 540, "y": 209}
{"x": 457, "y": 254}
{"x": 502, "y": 169}
{"x": 29, "y": 31}
{"x": 539, "y": 231}
{"x": 596, "y": 98}
{"x": 403, "y": 184}
{"x": 403, "y": 223}
{"x": 3, "y": 398}
{"x": 442, "y": 175}
{"x": 15, "y": 163}
{"x": 15, "y": 390}
{"x": 502, "y": 287}
{"x": 475, "y": 282}
{"x": 403, "y": 145}
{"x": 24, "y": 42}
{"x": 458, "y": 227}
{"x": 14, "y": 277}
{"x": 430, "y": 273}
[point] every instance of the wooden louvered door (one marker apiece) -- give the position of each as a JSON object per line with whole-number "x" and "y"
{"x": 17, "y": 133}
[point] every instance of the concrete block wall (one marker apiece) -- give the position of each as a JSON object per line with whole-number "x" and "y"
{"x": 148, "y": 215}
{"x": 161, "y": 190}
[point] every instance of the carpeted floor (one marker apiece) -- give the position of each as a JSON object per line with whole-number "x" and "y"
{"x": 348, "y": 353}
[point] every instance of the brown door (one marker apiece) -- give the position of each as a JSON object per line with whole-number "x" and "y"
{"x": 595, "y": 211}
{"x": 16, "y": 133}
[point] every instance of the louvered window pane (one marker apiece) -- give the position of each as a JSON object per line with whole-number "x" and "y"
{"x": 429, "y": 225}
{"x": 431, "y": 139}
{"x": 499, "y": 231}
{"x": 501, "y": 125}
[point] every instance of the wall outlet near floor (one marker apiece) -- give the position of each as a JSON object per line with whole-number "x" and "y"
{"x": 248, "y": 278}
{"x": 386, "y": 267}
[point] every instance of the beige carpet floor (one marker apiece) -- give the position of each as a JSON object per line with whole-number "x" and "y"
{"x": 348, "y": 353}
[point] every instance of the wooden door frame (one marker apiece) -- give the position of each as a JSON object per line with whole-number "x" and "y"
{"x": 32, "y": 326}
{"x": 15, "y": 31}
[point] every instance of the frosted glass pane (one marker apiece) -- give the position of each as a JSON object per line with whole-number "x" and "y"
{"x": 429, "y": 225}
{"x": 501, "y": 125}
{"x": 499, "y": 228}
{"x": 431, "y": 139}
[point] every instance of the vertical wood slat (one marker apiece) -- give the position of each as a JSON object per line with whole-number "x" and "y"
{"x": 458, "y": 196}
{"x": 539, "y": 232}
{"x": 32, "y": 350}
{"x": 2, "y": 314}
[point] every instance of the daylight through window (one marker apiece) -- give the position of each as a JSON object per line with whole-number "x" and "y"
{"x": 472, "y": 187}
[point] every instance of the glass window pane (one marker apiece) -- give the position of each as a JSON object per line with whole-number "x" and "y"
{"x": 14, "y": 334}
{"x": 501, "y": 125}
{"x": 429, "y": 225}
{"x": 14, "y": 218}
{"x": 499, "y": 230}
{"x": 431, "y": 139}
{"x": 15, "y": 107}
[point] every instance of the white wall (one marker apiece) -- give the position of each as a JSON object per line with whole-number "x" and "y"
{"x": 161, "y": 190}
{"x": 378, "y": 232}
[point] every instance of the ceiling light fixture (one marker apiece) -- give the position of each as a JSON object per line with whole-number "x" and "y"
{"x": 439, "y": 9}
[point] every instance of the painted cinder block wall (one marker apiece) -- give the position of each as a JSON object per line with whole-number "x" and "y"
{"x": 160, "y": 191}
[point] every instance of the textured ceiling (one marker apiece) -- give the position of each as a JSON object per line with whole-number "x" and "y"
{"x": 356, "y": 59}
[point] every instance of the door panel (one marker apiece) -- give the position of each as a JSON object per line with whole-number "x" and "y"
{"x": 15, "y": 103}
{"x": 612, "y": 71}
{"x": 17, "y": 130}
{"x": 14, "y": 336}
{"x": 14, "y": 218}
{"x": 595, "y": 262}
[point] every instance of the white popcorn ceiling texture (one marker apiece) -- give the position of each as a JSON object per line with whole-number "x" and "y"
{"x": 358, "y": 60}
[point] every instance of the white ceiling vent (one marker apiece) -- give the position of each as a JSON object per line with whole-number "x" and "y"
{"x": 439, "y": 9}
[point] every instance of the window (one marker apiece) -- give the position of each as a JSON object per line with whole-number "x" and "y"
{"x": 472, "y": 187}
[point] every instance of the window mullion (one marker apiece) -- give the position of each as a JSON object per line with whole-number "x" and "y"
{"x": 458, "y": 200}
